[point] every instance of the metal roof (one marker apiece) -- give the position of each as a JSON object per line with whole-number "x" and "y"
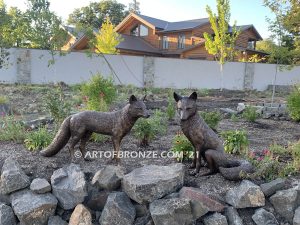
{"x": 136, "y": 44}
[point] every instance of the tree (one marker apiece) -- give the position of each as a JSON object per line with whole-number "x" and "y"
{"x": 4, "y": 43}
{"x": 106, "y": 41}
{"x": 134, "y": 7}
{"x": 222, "y": 43}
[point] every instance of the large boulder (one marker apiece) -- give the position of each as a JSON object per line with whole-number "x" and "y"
{"x": 175, "y": 211}
{"x": 270, "y": 188}
{"x": 109, "y": 178}
{"x": 69, "y": 186}
{"x": 31, "y": 208}
{"x": 296, "y": 220}
{"x": 215, "y": 219}
{"x": 40, "y": 186}
{"x": 7, "y": 216}
{"x": 118, "y": 210}
{"x": 285, "y": 203}
{"x": 13, "y": 177}
{"x": 96, "y": 201}
{"x": 201, "y": 203}
{"x": 81, "y": 216}
{"x": 247, "y": 194}
{"x": 152, "y": 182}
{"x": 263, "y": 217}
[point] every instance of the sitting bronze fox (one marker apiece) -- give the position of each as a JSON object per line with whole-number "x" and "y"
{"x": 206, "y": 142}
{"x": 80, "y": 126}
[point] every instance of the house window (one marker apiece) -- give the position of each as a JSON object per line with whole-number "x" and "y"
{"x": 134, "y": 31}
{"x": 181, "y": 41}
{"x": 251, "y": 44}
{"x": 165, "y": 41}
{"x": 143, "y": 30}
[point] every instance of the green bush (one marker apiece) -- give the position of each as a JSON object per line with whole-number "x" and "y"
{"x": 99, "y": 92}
{"x": 235, "y": 141}
{"x": 38, "y": 139}
{"x": 147, "y": 129}
{"x": 11, "y": 129}
{"x": 250, "y": 114}
{"x": 293, "y": 103}
{"x": 234, "y": 118}
{"x": 211, "y": 118}
{"x": 182, "y": 147}
{"x": 3, "y": 99}
{"x": 171, "y": 109}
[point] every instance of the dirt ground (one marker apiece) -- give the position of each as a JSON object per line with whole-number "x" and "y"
{"x": 261, "y": 135}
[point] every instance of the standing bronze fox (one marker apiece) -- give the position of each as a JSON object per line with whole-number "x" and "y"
{"x": 206, "y": 142}
{"x": 80, "y": 126}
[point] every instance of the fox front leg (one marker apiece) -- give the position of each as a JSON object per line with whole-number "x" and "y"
{"x": 197, "y": 159}
{"x": 193, "y": 165}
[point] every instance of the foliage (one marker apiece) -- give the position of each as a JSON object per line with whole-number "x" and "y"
{"x": 235, "y": 141}
{"x": 11, "y": 129}
{"x": 3, "y": 99}
{"x": 107, "y": 39}
{"x": 134, "y": 7}
{"x": 171, "y": 109}
{"x": 250, "y": 114}
{"x": 38, "y": 139}
{"x": 57, "y": 105}
{"x": 295, "y": 149}
{"x": 99, "y": 92}
{"x": 182, "y": 147}
{"x": 147, "y": 129}
{"x": 234, "y": 118}
{"x": 293, "y": 103}
{"x": 278, "y": 149}
{"x": 211, "y": 118}
{"x": 99, "y": 138}
{"x": 253, "y": 59}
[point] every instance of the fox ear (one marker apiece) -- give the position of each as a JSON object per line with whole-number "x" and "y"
{"x": 177, "y": 97}
{"x": 132, "y": 99}
{"x": 193, "y": 96}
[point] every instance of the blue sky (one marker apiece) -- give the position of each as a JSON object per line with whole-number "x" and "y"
{"x": 243, "y": 11}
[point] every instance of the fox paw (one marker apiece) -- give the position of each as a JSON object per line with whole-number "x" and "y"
{"x": 192, "y": 166}
{"x": 194, "y": 173}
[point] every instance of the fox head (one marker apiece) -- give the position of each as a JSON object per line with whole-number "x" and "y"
{"x": 186, "y": 106}
{"x": 137, "y": 108}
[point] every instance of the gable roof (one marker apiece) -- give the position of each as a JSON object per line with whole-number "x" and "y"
{"x": 136, "y": 43}
{"x": 160, "y": 24}
{"x": 246, "y": 27}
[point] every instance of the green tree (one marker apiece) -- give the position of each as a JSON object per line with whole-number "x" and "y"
{"x": 134, "y": 7}
{"x": 4, "y": 43}
{"x": 106, "y": 41}
{"x": 221, "y": 43}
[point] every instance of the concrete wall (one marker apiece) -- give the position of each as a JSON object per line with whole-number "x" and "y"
{"x": 31, "y": 66}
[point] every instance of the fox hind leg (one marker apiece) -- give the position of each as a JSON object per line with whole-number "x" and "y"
{"x": 73, "y": 141}
{"x": 83, "y": 141}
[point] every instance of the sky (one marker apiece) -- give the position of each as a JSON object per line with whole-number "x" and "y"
{"x": 242, "y": 11}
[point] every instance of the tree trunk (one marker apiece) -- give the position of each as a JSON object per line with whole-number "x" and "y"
{"x": 222, "y": 77}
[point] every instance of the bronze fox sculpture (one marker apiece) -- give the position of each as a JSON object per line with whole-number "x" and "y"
{"x": 80, "y": 126}
{"x": 206, "y": 142}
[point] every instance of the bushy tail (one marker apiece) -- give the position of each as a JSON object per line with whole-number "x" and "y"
{"x": 61, "y": 139}
{"x": 236, "y": 171}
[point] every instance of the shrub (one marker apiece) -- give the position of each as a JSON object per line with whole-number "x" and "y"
{"x": 11, "y": 129}
{"x": 99, "y": 92}
{"x": 278, "y": 149}
{"x": 295, "y": 149}
{"x": 171, "y": 109}
{"x": 182, "y": 147}
{"x": 250, "y": 114}
{"x": 147, "y": 129}
{"x": 234, "y": 118}
{"x": 293, "y": 103}
{"x": 3, "y": 99}
{"x": 211, "y": 118}
{"x": 235, "y": 141}
{"x": 38, "y": 139}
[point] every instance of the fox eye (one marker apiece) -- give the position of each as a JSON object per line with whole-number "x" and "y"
{"x": 179, "y": 108}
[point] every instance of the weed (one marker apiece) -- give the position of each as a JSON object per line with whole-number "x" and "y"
{"x": 235, "y": 142}
{"x": 211, "y": 118}
{"x": 182, "y": 147}
{"x": 295, "y": 149}
{"x": 171, "y": 109}
{"x": 99, "y": 138}
{"x": 38, "y": 139}
{"x": 234, "y": 118}
{"x": 250, "y": 114}
{"x": 293, "y": 103}
{"x": 11, "y": 129}
{"x": 3, "y": 99}
{"x": 278, "y": 149}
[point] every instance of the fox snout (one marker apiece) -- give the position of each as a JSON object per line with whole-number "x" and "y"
{"x": 183, "y": 115}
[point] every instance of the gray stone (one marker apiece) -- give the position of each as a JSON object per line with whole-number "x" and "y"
{"x": 109, "y": 178}
{"x": 118, "y": 210}
{"x": 247, "y": 194}
{"x": 171, "y": 211}
{"x": 7, "y": 216}
{"x": 141, "y": 210}
{"x": 228, "y": 110}
{"x": 69, "y": 186}
{"x": 285, "y": 203}
{"x": 270, "y": 188}
{"x": 40, "y": 186}
{"x": 241, "y": 107}
{"x": 296, "y": 220}
{"x": 97, "y": 201}
{"x": 263, "y": 217}
{"x": 152, "y": 182}
{"x": 31, "y": 208}
{"x": 13, "y": 177}
{"x": 56, "y": 220}
{"x": 143, "y": 220}
{"x": 81, "y": 216}
{"x": 233, "y": 216}
{"x": 200, "y": 203}
{"x": 5, "y": 109}
{"x": 215, "y": 219}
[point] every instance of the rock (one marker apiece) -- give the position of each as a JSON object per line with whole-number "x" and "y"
{"x": 69, "y": 186}
{"x": 228, "y": 110}
{"x": 143, "y": 220}
{"x": 270, "y": 188}
{"x": 56, "y": 220}
{"x": 40, "y": 186}
{"x": 215, "y": 219}
{"x": 81, "y": 216}
{"x": 141, "y": 210}
{"x": 96, "y": 201}
{"x": 31, "y": 208}
{"x": 247, "y": 194}
{"x": 5, "y": 109}
{"x": 7, "y": 216}
{"x": 296, "y": 220}
{"x": 118, "y": 210}
{"x": 152, "y": 182}
{"x": 36, "y": 123}
{"x": 109, "y": 178}
{"x": 13, "y": 177}
{"x": 233, "y": 217}
{"x": 263, "y": 217}
{"x": 285, "y": 203}
{"x": 172, "y": 195}
{"x": 200, "y": 203}
{"x": 241, "y": 107}
{"x": 175, "y": 211}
